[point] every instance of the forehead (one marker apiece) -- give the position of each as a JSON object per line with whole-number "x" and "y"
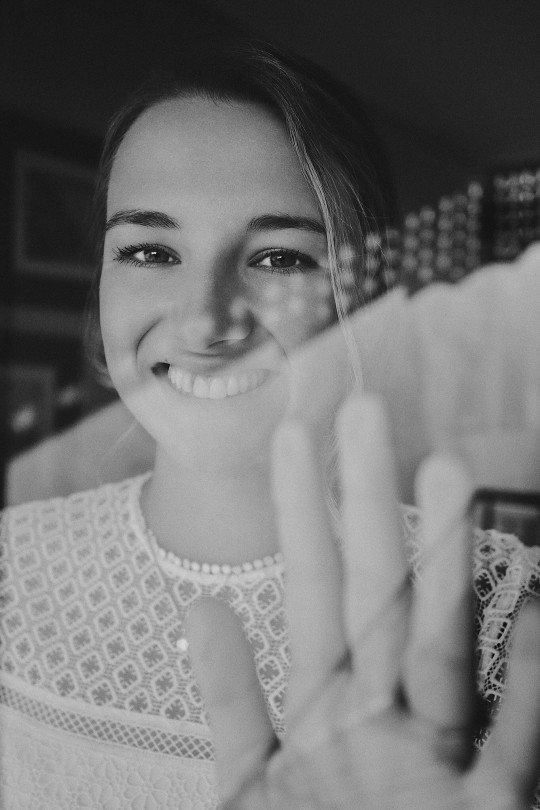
{"x": 220, "y": 151}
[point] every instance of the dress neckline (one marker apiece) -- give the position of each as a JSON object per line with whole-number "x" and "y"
{"x": 175, "y": 564}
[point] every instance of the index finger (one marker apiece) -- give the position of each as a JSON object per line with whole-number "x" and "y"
{"x": 376, "y": 607}
{"x": 313, "y": 594}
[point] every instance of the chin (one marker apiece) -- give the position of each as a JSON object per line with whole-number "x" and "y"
{"x": 215, "y": 454}
{"x": 206, "y": 435}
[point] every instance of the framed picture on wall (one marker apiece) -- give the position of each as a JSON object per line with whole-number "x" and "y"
{"x": 52, "y": 216}
{"x": 47, "y": 183}
{"x": 29, "y": 404}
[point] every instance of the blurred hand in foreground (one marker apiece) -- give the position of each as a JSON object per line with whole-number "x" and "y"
{"x": 458, "y": 366}
{"x": 381, "y": 703}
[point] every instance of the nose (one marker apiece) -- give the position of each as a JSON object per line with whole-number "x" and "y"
{"x": 214, "y": 315}
{"x": 202, "y": 330}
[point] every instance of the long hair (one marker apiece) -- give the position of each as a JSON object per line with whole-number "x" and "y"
{"x": 337, "y": 148}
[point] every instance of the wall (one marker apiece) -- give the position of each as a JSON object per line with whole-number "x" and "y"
{"x": 72, "y": 63}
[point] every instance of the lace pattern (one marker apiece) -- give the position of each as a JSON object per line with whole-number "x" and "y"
{"x": 184, "y": 740}
{"x": 96, "y": 688}
{"x": 91, "y": 612}
{"x": 43, "y": 768}
{"x": 505, "y": 575}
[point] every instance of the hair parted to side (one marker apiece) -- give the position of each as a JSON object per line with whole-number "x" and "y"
{"x": 336, "y": 146}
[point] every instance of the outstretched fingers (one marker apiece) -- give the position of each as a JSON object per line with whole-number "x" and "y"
{"x": 376, "y": 594}
{"x": 313, "y": 569}
{"x": 439, "y": 668}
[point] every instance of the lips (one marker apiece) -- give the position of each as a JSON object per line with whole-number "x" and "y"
{"x": 215, "y": 386}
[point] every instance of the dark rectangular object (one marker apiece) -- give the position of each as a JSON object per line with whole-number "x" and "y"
{"x": 510, "y": 512}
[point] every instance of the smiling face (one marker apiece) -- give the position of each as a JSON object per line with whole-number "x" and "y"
{"x": 214, "y": 272}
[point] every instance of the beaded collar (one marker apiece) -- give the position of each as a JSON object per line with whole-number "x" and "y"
{"x": 184, "y": 564}
{"x": 181, "y": 564}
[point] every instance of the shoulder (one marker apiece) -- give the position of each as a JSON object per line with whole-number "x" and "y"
{"x": 501, "y": 562}
{"x": 108, "y": 445}
{"x": 81, "y": 514}
{"x": 506, "y": 574}
{"x": 60, "y": 560}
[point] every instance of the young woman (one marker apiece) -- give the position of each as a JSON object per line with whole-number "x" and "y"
{"x": 236, "y": 201}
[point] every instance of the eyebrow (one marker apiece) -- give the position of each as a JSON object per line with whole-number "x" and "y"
{"x": 266, "y": 222}
{"x": 279, "y": 222}
{"x": 136, "y": 216}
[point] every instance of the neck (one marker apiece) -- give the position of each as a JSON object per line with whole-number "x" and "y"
{"x": 223, "y": 516}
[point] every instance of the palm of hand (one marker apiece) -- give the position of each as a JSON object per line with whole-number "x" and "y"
{"x": 385, "y": 761}
{"x": 381, "y": 697}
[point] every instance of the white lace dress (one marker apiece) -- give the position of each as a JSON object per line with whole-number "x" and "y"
{"x": 98, "y": 705}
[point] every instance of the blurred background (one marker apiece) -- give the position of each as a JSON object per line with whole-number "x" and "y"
{"x": 452, "y": 88}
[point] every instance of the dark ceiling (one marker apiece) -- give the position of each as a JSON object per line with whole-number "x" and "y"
{"x": 452, "y": 84}
{"x": 464, "y": 72}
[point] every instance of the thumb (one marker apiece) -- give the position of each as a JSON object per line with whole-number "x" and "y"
{"x": 225, "y": 671}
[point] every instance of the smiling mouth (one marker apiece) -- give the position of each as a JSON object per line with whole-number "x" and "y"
{"x": 215, "y": 387}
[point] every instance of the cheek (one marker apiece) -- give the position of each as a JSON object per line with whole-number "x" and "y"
{"x": 120, "y": 321}
{"x": 295, "y": 308}
{"x": 349, "y": 298}
{"x": 348, "y": 294}
{"x": 112, "y": 316}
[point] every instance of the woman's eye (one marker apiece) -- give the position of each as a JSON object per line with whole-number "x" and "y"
{"x": 284, "y": 261}
{"x": 145, "y": 254}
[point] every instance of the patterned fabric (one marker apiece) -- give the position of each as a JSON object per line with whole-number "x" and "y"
{"x": 505, "y": 575}
{"x": 98, "y": 704}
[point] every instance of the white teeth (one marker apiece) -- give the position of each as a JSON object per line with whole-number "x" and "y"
{"x": 187, "y": 382}
{"x": 201, "y": 387}
{"x": 214, "y": 387}
{"x": 218, "y": 388}
{"x": 232, "y": 387}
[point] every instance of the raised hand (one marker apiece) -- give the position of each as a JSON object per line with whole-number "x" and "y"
{"x": 381, "y": 703}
